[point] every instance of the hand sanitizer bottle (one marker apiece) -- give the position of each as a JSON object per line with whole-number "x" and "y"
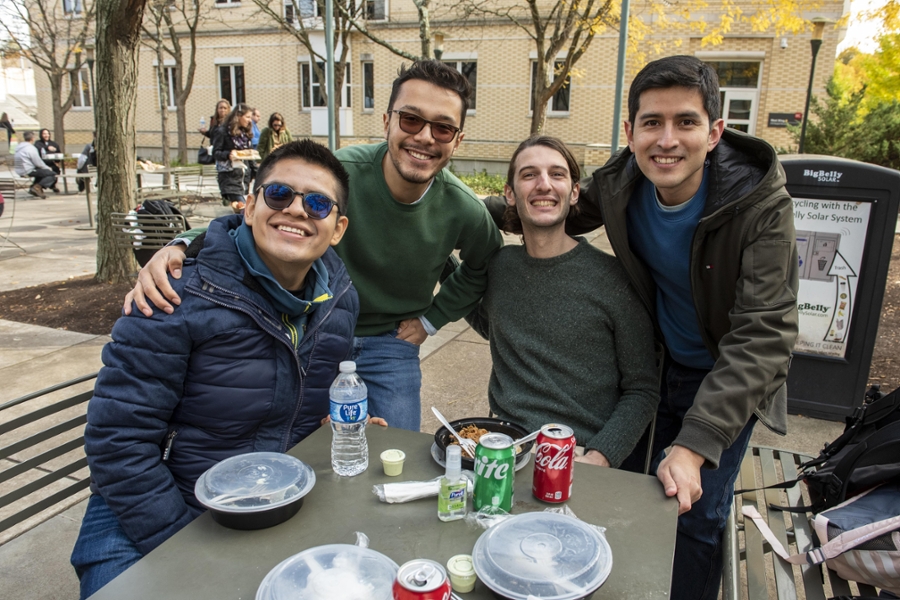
{"x": 452, "y": 497}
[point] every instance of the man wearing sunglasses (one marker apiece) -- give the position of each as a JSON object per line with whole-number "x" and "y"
{"x": 409, "y": 215}
{"x": 221, "y": 375}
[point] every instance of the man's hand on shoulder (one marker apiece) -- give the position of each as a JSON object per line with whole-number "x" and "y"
{"x": 593, "y": 457}
{"x": 412, "y": 331}
{"x": 153, "y": 282}
{"x": 679, "y": 472}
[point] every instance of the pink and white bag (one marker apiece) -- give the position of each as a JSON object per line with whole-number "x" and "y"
{"x": 860, "y": 538}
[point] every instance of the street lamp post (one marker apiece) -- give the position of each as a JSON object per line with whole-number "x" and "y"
{"x": 815, "y": 43}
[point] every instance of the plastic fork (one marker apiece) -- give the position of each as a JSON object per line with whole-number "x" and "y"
{"x": 468, "y": 446}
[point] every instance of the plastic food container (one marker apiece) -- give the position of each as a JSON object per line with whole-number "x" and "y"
{"x": 333, "y": 572}
{"x": 545, "y": 555}
{"x": 443, "y": 438}
{"x": 255, "y": 490}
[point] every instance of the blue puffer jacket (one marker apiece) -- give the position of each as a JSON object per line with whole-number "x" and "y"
{"x": 217, "y": 378}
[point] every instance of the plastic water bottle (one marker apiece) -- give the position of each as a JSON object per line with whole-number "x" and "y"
{"x": 349, "y": 409}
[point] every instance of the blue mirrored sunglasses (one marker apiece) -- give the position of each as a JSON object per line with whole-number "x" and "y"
{"x": 279, "y": 196}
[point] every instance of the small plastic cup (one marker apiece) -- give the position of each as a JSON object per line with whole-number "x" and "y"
{"x": 462, "y": 573}
{"x": 392, "y": 460}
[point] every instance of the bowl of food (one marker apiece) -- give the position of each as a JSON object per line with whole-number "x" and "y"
{"x": 542, "y": 555}
{"x": 473, "y": 429}
{"x": 331, "y": 572}
{"x": 255, "y": 490}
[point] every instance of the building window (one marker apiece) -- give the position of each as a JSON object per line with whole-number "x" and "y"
{"x": 228, "y": 2}
{"x": 305, "y": 9}
{"x": 375, "y": 10}
{"x": 73, "y": 7}
{"x": 81, "y": 83}
{"x": 310, "y": 87}
{"x": 368, "y": 72}
{"x": 469, "y": 69}
{"x": 559, "y": 103}
{"x": 739, "y": 89}
{"x": 231, "y": 83}
{"x": 170, "y": 86}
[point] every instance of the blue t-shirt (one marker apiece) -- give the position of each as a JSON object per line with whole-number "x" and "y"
{"x": 661, "y": 236}
{"x": 255, "y": 128}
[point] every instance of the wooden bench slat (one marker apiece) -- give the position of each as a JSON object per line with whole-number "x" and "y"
{"x": 803, "y": 534}
{"x": 784, "y": 573}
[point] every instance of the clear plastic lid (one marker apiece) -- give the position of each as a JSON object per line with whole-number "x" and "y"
{"x": 333, "y": 572}
{"x": 254, "y": 481}
{"x": 541, "y": 554}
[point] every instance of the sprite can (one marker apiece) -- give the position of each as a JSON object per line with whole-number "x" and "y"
{"x": 495, "y": 468}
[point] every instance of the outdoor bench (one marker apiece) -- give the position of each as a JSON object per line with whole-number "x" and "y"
{"x": 750, "y": 569}
{"x": 43, "y": 468}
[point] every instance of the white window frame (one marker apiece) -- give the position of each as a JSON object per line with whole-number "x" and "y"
{"x": 73, "y": 8}
{"x": 170, "y": 81}
{"x": 366, "y": 80}
{"x": 374, "y": 5}
{"x": 226, "y": 3}
{"x": 308, "y": 71}
{"x": 83, "y": 89}
{"x": 232, "y": 95}
{"x": 729, "y": 93}
{"x": 456, "y": 61}
{"x": 567, "y": 88}
{"x": 294, "y": 6}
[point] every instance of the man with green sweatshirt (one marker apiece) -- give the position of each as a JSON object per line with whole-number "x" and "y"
{"x": 409, "y": 214}
{"x": 571, "y": 342}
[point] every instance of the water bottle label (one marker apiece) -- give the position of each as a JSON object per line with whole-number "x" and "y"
{"x": 350, "y": 413}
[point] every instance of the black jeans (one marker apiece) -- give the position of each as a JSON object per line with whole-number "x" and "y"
{"x": 43, "y": 177}
{"x": 697, "y": 567}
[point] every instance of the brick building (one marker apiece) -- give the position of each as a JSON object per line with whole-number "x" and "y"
{"x": 244, "y": 56}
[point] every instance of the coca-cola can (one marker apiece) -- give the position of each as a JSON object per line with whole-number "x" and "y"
{"x": 553, "y": 463}
{"x": 422, "y": 579}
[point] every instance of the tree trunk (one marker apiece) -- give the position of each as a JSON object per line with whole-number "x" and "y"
{"x": 181, "y": 120}
{"x": 118, "y": 36}
{"x": 540, "y": 97}
{"x": 59, "y": 123}
{"x": 163, "y": 83}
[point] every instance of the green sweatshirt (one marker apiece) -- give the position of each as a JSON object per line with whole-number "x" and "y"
{"x": 395, "y": 252}
{"x": 571, "y": 343}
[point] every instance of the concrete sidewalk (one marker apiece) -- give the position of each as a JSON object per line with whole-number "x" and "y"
{"x": 456, "y": 364}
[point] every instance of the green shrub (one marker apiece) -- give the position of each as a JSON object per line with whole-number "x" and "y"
{"x": 484, "y": 183}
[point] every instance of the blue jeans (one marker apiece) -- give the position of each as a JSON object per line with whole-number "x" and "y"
{"x": 102, "y": 550}
{"x": 393, "y": 376}
{"x": 697, "y": 569}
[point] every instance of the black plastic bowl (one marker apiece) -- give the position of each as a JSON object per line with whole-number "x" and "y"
{"x": 443, "y": 438}
{"x": 259, "y": 519}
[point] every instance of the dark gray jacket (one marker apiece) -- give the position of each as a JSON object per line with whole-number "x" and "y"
{"x": 744, "y": 277}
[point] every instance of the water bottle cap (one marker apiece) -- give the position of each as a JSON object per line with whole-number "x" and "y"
{"x": 348, "y": 366}
{"x": 454, "y": 461}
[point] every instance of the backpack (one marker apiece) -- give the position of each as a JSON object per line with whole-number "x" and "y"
{"x": 860, "y": 538}
{"x": 866, "y": 454}
{"x": 863, "y": 456}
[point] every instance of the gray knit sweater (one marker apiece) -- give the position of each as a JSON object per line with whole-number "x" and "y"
{"x": 571, "y": 343}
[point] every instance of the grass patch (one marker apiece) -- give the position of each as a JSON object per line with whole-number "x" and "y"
{"x": 483, "y": 183}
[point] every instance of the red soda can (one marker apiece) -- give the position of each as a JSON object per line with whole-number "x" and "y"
{"x": 422, "y": 579}
{"x": 553, "y": 463}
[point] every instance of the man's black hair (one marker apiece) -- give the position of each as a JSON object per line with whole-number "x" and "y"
{"x": 436, "y": 73}
{"x": 677, "y": 71}
{"x": 315, "y": 154}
